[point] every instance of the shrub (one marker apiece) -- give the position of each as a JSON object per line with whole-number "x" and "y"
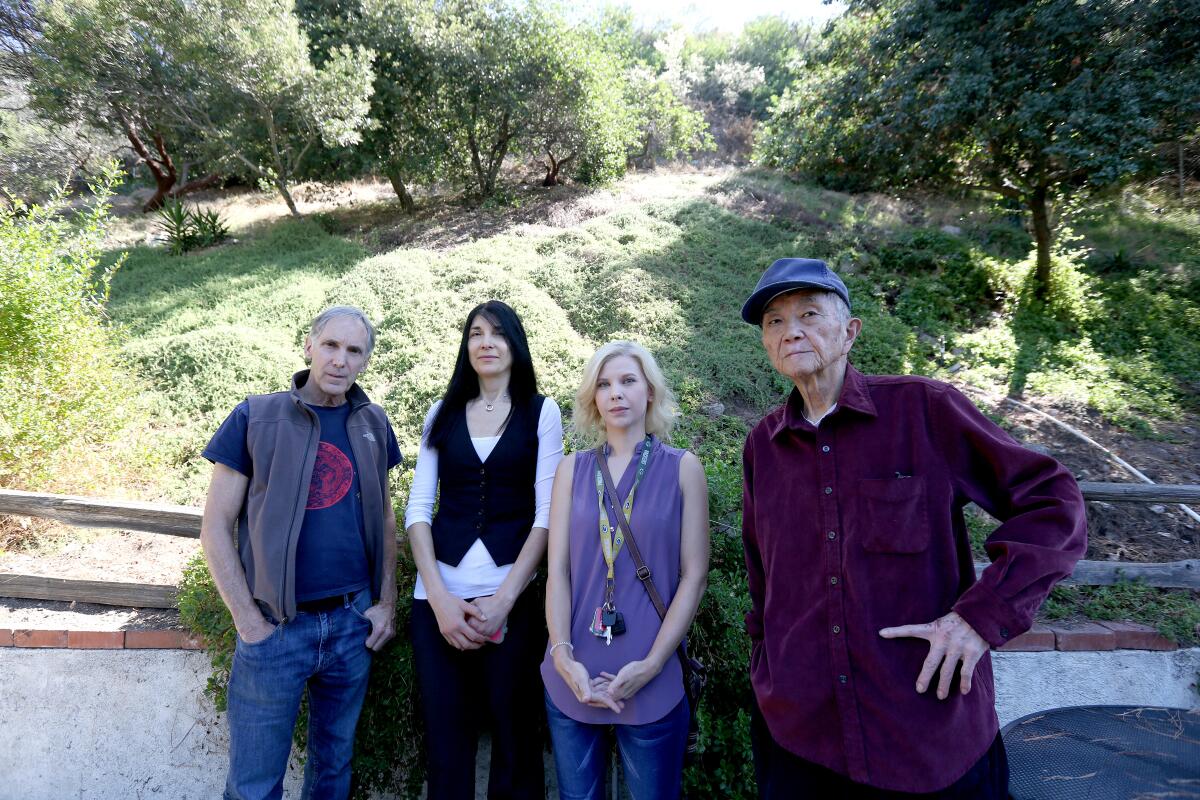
{"x": 60, "y": 376}
{"x": 937, "y": 279}
{"x": 718, "y": 637}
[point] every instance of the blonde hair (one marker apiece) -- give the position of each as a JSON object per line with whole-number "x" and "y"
{"x": 660, "y": 407}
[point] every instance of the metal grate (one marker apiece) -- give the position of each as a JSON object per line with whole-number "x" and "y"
{"x": 1102, "y": 752}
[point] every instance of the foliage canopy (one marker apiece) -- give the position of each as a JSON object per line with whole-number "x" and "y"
{"x": 1036, "y": 101}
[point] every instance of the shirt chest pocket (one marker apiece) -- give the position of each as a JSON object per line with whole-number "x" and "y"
{"x": 891, "y": 515}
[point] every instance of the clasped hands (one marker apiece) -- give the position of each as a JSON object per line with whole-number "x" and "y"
{"x": 604, "y": 690}
{"x": 468, "y": 625}
{"x": 951, "y": 640}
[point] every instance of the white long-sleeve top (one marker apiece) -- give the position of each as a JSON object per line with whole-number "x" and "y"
{"x": 478, "y": 575}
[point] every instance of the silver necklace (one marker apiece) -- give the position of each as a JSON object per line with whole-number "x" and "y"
{"x": 490, "y": 407}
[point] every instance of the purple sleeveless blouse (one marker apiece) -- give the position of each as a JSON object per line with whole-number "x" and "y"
{"x": 657, "y": 511}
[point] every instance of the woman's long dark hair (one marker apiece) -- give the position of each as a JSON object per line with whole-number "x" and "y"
{"x": 464, "y": 382}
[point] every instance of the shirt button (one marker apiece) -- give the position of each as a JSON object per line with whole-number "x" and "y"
{"x": 1004, "y": 633}
{"x": 483, "y": 470}
{"x": 837, "y": 629}
{"x": 842, "y": 678}
{"x": 833, "y": 580}
{"x": 828, "y": 490}
{"x": 824, "y": 448}
{"x": 832, "y": 534}
{"x": 478, "y": 526}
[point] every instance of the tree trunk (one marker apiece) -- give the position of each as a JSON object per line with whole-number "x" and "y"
{"x": 476, "y": 163}
{"x": 162, "y": 188}
{"x": 551, "y": 178}
{"x": 162, "y": 168}
{"x": 406, "y": 199}
{"x": 287, "y": 196}
{"x": 1042, "y": 234}
{"x": 555, "y": 168}
{"x": 496, "y": 156}
{"x": 207, "y": 182}
{"x": 1180, "y": 169}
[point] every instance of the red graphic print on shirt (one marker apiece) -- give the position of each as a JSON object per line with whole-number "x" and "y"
{"x": 331, "y": 477}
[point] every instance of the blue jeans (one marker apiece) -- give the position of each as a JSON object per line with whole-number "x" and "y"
{"x": 325, "y": 652}
{"x": 651, "y": 755}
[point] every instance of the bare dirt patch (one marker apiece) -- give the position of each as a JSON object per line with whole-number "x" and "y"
{"x": 1143, "y": 532}
{"x": 444, "y": 222}
{"x": 97, "y": 555}
{"x": 46, "y": 615}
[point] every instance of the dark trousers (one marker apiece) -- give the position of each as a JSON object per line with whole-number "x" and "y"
{"x": 784, "y": 775}
{"x": 498, "y": 687}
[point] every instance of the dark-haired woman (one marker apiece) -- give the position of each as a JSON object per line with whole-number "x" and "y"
{"x": 489, "y": 452}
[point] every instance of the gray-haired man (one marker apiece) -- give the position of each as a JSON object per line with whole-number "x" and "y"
{"x": 303, "y": 474}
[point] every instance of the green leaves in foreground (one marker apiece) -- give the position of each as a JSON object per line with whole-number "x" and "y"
{"x": 389, "y": 749}
{"x": 59, "y": 374}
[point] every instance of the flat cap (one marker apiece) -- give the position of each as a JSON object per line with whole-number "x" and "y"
{"x": 787, "y": 274}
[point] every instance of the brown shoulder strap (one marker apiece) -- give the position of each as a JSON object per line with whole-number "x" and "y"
{"x": 643, "y": 572}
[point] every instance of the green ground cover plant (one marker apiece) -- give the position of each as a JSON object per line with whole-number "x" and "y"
{"x": 210, "y": 327}
{"x": 1174, "y": 612}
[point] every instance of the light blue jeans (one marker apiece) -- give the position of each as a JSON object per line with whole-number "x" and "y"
{"x": 325, "y": 652}
{"x": 651, "y": 755}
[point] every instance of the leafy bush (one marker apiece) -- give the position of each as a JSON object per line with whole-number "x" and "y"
{"x": 60, "y": 376}
{"x": 190, "y": 230}
{"x": 210, "y": 227}
{"x": 938, "y": 280}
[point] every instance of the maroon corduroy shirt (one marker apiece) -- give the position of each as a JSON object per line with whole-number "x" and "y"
{"x": 856, "y": 525}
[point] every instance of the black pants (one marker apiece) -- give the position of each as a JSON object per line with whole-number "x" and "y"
{"x": 784, "y": 775}
{"x": 497, "y": 686}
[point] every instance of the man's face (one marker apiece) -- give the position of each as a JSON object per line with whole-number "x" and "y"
{"x": 337, "y": 354}
{"x": 804, "y": 333}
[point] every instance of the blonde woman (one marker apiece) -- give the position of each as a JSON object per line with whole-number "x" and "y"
{"x": 611, "y": 659}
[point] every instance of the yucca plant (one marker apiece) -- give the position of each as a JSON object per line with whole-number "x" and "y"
{"x": 188, "y": 230}
{"x": 210, "y": 228}
{"x": 176, "y": 223}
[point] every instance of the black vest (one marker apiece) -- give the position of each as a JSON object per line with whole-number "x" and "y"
{"x": 492, "y": 500}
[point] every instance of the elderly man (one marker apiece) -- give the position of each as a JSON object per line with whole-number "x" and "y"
{"x": 311, "y": 584}
{"x": 870, "y": 632}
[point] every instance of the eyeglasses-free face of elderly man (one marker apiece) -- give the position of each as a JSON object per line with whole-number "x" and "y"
{"x": 808, "y": 334}
{"x": 860, "y": 571}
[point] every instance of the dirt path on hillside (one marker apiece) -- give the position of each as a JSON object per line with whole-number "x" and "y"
{"x": 368, "y": 211}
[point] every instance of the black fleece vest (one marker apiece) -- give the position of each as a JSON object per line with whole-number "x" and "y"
{"x": 492, "y": 500}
